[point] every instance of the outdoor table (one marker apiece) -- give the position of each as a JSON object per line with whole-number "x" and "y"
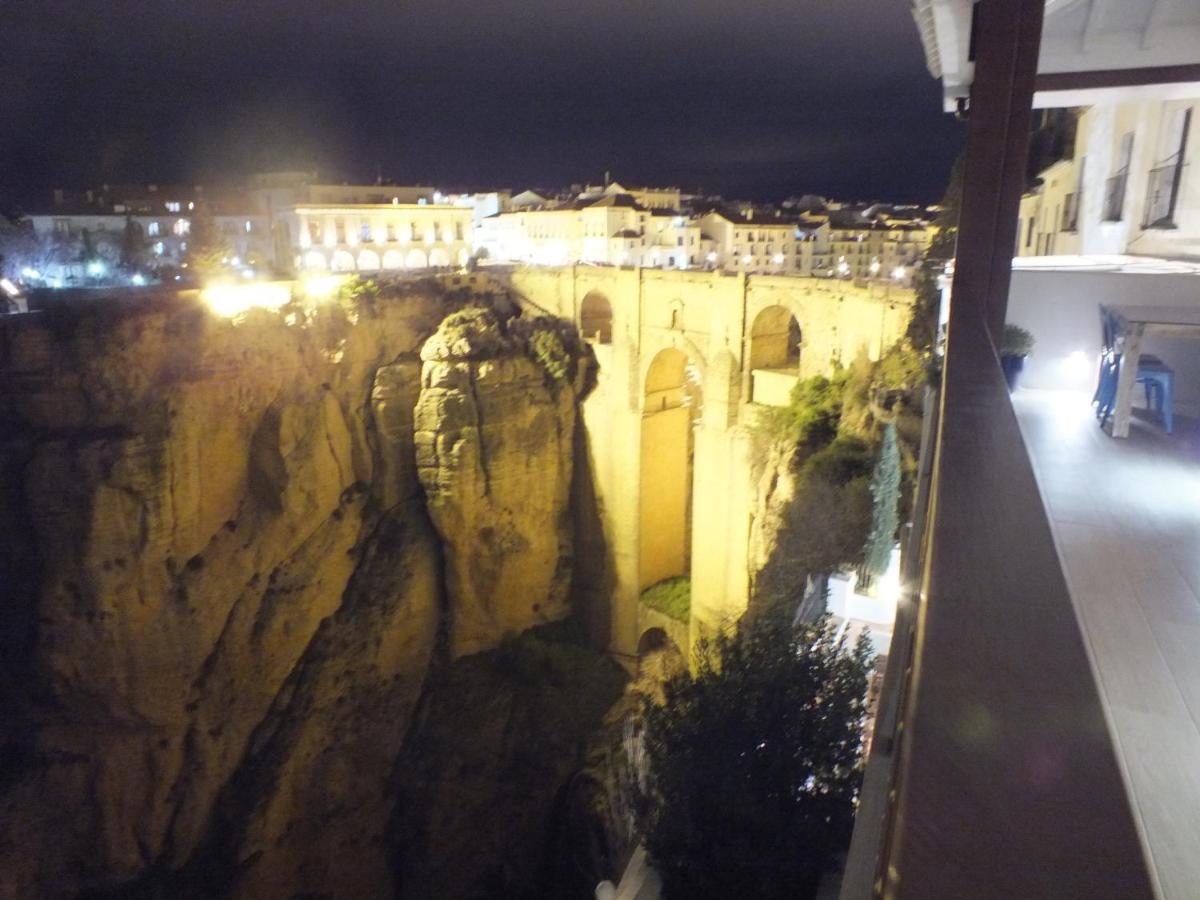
{"x": 1133, "y": 323}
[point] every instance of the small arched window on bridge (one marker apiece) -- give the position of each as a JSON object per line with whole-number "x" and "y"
{"x": 595, "y": 318}
{"x": 775, "y": 340}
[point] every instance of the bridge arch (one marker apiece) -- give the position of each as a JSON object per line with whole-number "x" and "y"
{"x": 775, "y": 339}
{"x": 416, "y": 259}
{"x": 392, "y": 259}
{"x": 439, "y": 258}
{"x": 596, "y": 318}
{"x": 341, "y": 261}
{"x": 368, "y": 261}
{"x": 671, "y": 405}
{"x": 315, "y": 259}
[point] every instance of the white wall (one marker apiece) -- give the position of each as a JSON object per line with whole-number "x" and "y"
{"x": 1061, "y": 310}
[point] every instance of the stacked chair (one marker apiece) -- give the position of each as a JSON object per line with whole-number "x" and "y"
{"x": 1157, "y": 378}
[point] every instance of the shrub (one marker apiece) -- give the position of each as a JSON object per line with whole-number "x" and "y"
{"x": 1017, "y": 341}
{"x": 672, "y": 597}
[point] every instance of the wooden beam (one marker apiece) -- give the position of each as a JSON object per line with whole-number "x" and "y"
{"x": 1114, "y": 78}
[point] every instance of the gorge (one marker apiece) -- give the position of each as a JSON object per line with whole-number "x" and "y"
{"x": 328, "y": 598}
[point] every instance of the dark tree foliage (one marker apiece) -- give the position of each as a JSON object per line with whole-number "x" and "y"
{"x": 133, "y": 246}
{"x": 207, "y": 248}
{"x": 922, "y": 327}
{"x": 885, "y": 506}
{"x": 755, "y": 761}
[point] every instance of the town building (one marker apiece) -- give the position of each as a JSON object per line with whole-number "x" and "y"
{"x": 1125, "y": 188}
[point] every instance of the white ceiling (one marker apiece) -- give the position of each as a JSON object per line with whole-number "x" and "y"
{"x": 1077, "y": 36}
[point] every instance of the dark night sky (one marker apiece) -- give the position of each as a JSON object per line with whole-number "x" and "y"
{"x": 757, "y": 98}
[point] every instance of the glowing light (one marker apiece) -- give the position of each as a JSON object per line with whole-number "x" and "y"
{"x": 746, "y": 259}
{"x": 712, "y": 256}
{"x": 779, "y": 259}
{"x": 321, "y": 287}
{"x": 899, "y": 273}
{"x": 229, "y": 300}
{"x": 843, "y": 268}
{"x": 138, "y": 279}
{"x": 874, "y": 267}
{"x": 8, "y": 287}
{"x": 96, "y": 268}
{"x": 247, "y": 273}
{"x": 30, "y": 273}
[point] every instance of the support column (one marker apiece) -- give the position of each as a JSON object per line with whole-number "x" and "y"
{"x": 1008, "y": 38}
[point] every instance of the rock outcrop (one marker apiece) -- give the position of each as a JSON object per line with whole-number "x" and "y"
{"x": 495, "y": 428}
{"x": 223, "y": 587}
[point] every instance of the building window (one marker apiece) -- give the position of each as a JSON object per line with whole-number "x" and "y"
{"x": 339, "y": 231}
{"x": 152, "y": 229}
{"x": 314, "y": 231}
{"x": 248, "y": 226}
{"x": 181, "y": 227}
{"x": 364, "y": 232}
{"x": 391, "y": 231}
{"x": 1162, "y": 192}
{"x": 458, "y": 231}
{"x": 172, "y": 206}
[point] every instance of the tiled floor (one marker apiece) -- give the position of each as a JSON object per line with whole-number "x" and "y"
{"x": 1126, "y": 517}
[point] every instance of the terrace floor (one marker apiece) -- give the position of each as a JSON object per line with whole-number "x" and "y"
{"x": 1126, "y": 518}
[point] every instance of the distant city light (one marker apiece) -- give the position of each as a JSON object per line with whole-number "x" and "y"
{"x": 843, "y": 268}
{"x": 712, "y": 256}
{"x": 229, "y": 300}
{"x": 779, "y": 259}
{"x": 8, "y": 287}
{"x": 899, "y": 273}
{"x": 138, "y": 278}
{"x": 96, "y": 268}
{"x": 30, "y": 273}
{"x": 874, "y": 267}
{"x": 247, "y": 273}
{"x": 746, "y": 259}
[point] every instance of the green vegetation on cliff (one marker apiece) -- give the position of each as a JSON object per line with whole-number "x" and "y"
{"x": 821, "y": 450}
{"x": 672, "y": 597}
{"x": 755, "y": 762}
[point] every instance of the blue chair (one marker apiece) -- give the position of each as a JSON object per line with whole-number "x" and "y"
{"x": 1157, "y": 378}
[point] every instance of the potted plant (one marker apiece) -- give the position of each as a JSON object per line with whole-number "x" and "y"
{"x": 1017, "y": 344}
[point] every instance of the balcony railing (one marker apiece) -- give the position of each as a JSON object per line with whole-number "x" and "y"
{"x": 1161, "y": 194}
{"x": 1114, "y": 197}
{"x": 988, "y": 682}
{"x": 1070, "y": 215}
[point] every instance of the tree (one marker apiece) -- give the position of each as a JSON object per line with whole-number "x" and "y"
{"x": 885, "y": 508}
{"x": 207, "y": 248}
{"x": 755, "y": 761}
{"x": 133, "y": 246}
{"x": 922, "y": 327}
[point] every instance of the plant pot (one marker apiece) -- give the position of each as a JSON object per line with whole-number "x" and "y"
{"x": 1012, "y": 366}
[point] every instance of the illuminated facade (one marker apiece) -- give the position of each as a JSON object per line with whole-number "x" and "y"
{"x": 378, "y": 237}
{"x": 1128, "y": 187}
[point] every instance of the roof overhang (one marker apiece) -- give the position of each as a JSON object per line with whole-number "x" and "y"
{"x": 1090, "y": 51}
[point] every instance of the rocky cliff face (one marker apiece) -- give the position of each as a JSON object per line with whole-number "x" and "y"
{"x": 230, "y": 551}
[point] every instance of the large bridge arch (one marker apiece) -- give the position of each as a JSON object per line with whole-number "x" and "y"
{"x": 671, "y": 404}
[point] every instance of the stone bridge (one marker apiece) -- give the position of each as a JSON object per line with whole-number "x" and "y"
{"x": 686, "y": 361}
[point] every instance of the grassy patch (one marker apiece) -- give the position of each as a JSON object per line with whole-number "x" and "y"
{"x": 671, "y": 597}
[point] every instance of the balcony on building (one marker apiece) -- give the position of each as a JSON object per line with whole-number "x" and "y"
{"x": 1038, "y": 729}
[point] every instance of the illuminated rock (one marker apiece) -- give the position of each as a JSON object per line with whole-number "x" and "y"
{"x": 494, "y": 443}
